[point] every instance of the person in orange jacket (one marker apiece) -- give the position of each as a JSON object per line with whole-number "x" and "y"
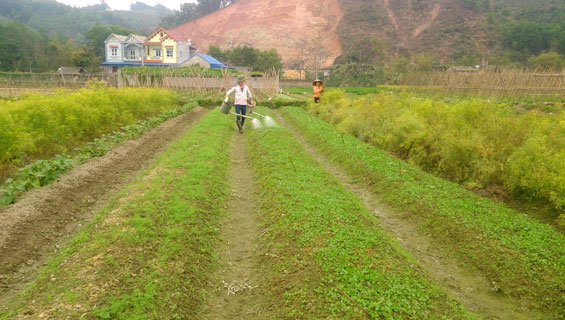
{"x": 318, "y": 86}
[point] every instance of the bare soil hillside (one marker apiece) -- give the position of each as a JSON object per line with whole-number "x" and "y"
{"x": 437, "y": 27}
{"x": 299, "y": 30}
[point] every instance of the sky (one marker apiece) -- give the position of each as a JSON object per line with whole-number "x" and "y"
{"x": 124, "y": 4}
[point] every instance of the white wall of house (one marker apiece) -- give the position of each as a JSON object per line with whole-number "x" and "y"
{"x": 133, "y": 52}
{"x": 114, "y": 51}
{"x": 183, "y": 52}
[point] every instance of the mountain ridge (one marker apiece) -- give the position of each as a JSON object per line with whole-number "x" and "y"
{"x": 450, "y": 31}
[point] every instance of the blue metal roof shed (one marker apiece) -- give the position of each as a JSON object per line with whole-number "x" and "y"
{"x": 213, "y": 62}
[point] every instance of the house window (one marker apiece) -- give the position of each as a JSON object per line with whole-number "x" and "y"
{"x": 132, "y": 54}
{"x": 169, "y": 52}
{"x": 157, "y": 52}
{"x": 114, "y": 52}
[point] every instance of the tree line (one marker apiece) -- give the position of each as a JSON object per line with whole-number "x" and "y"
{"x": 54, "y": 17}
{"x": 24, "y": 49}
{"x": 256, "y": 59}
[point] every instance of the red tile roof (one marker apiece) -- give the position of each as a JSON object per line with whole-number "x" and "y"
{"x": 176, "y": 36}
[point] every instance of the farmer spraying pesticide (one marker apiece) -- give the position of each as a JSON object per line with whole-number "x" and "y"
{"x": 242, "y": 95}
{"x": 243, "y": 100}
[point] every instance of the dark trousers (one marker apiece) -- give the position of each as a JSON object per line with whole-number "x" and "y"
{"x": 241, "y": 109}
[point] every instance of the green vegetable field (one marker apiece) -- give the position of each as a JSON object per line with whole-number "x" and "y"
{"x": 148, "y": 204}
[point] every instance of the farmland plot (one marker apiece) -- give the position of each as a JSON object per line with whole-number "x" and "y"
{"x": 282, "y": 223}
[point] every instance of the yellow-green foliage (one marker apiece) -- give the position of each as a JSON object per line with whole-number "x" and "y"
{"x": 471, "y": 141}
{"x": 37, "y": 126}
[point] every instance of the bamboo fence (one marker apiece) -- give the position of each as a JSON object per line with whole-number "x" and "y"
{"x": 505, "y": 82}
{"x": 200, "y": 83}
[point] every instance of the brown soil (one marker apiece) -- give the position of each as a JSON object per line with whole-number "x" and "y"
{"x": 428, "y": 23}
{"x": 470, "y": 288}
{"x": 238, "y": 292}
{"x": 45, "y": 218}
{"x": 298, "y": 29}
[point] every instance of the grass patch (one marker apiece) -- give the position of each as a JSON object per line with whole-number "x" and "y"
{"x": 518, "y": 255}
{"x": 151, "y": 252}
{"x": 325, "y": 254}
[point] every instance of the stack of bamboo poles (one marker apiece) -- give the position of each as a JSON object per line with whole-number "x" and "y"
{"x": 270, "y": 82}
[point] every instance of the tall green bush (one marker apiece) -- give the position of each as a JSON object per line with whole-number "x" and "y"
{"x": 471, "y": 141}
{"x": 39, "y": 126}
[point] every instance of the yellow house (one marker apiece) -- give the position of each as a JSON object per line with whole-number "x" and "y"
{"x": 163, "y": 47}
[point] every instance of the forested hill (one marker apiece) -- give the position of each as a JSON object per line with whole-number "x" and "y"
{"x": 53, "y": 17}
{"x": 458, "y": 31}
{"x": 42, "y": 35}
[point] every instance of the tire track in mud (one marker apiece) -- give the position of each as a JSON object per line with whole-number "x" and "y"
{"x": 44, "y": 218}
{"x": 237, "y": 285}
{"x": 470, "y": 288}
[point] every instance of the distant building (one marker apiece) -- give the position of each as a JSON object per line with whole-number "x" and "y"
{"x": 161, "y": 48}
{"x": 123, "y": 51}
{"x": 133, "y": 48}
{"x": 205, "y": 61}
{"x": 71, "y": 73}
{"x": 115, "y": 48}
{"x": 165, "y": 48}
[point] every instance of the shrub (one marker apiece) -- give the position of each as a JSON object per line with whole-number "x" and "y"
{"x": 39, "y": 126}
{"x": 471, "y": 141}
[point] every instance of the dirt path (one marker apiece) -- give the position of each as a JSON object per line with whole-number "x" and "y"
{"x": 238, "y": 285}
{"x": 470, "y": 288}
{"x": 45, "y": 218}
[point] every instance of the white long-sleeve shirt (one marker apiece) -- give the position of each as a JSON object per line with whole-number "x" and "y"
{"x": 241, "y": 94}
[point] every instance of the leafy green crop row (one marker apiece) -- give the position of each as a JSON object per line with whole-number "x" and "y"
{"x": 42, "y": 172}
{"x": 325, "y": 254}
{"x": 151, "y": 252}
{"x": 279, "y": 103}
{"x": 471, "y": 141}
{"x": 274, "y": 103}
{"x": 193, "y": 71}
{"x": 519, "y": 256}
{"x": 40, "y": 126}
{"x": 353, "y": 90}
